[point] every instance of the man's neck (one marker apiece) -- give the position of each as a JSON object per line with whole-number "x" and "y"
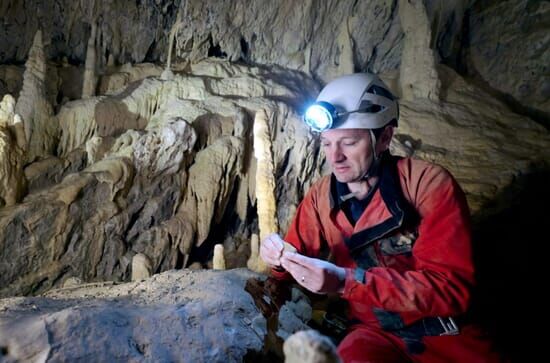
{"x": 361, "y": 188}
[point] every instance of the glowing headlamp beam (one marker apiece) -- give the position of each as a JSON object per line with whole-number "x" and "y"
{"x": 322, "y": 115}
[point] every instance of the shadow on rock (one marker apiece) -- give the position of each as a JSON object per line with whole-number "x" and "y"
{"x": 510, "y": 252}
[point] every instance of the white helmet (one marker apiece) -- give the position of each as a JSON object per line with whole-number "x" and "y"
{"x": 355, "y": 101}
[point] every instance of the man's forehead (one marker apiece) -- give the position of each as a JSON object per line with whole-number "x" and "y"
{"x": 342, "y": 133}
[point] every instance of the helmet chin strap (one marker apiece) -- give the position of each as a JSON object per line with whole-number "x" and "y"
{"x": 372, "y": 170}
{"x": 375, "y": 163}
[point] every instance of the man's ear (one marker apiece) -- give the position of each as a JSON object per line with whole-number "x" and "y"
{"x": 384, "y": 139}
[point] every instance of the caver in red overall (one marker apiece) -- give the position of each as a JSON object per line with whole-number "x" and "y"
{"x": 408, "y": 264}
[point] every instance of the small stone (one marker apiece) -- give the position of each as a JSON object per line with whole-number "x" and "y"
{"x": 309, "y": 346}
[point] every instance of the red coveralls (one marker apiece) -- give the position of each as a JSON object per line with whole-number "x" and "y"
{"x": 408, "y": 261}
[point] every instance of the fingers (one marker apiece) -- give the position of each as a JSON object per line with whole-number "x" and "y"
{"x": 271, "y": 249}
{"x": 302, "y": 273}
{"x": 290, "y": 264}
{"x": 300, "y": 259}
{"x": 316, "y": 275}
{"x": 288, "y": 247}
{"x": 298, "y": 272}
{"x": 298, "y": 265}
{"x": 277, "y": 241}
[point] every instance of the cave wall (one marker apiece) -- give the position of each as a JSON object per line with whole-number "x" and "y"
{"x": 508, "y": 50}
{"x": 316, "y": 36}
{"x": 503, "y": 44}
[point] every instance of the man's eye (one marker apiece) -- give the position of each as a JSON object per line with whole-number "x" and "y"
{"x": 325, "y": 145}
{"x": 350, "y": 143}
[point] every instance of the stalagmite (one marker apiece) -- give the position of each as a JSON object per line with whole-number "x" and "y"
{"x": 141, "y": 267}
{"x": 265, "y": 180}
{"x": 92, "y": 149}
{"x": 13, "y": 120}
{"x": 418, "y": 73}
{"x": 255, "y": 263}
{"x": 218, "y": 261}
{"x": 19, "y": 131}
{"x": 72, "y": 282}
{"x": 12, "y": 179}
{"x": 37, "y": 114}
{"x": 90, "y": 76}
{"x": 210, "y": 183}
{"x": 252, "y": 262}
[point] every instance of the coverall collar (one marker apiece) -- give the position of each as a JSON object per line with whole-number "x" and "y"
{"x": 393, "y": 198}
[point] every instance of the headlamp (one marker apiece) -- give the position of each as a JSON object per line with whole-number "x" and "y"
{"x": 320, "y": 116}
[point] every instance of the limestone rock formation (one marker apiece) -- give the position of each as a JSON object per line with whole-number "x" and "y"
{"x": 324, "y": 38}
{"x": 478, "y": 138}
{"x": 418, "y": 72}
{"x": 11, "y": 79}
{"x": 500, "y": 43}
{"x": 9, "y": 118}
{"x": 90, "y": 77}
{"x": 116, "y": 78}
{"x": 508, "y": 50}
{"x": 159, "y": 170}
{"x": 218, "y": 261}
{"x": 33, "y": 106}
{"x": 94, "y": 149}
{"x": 210, "y": 181}
{"x": 12, "y": 146}
{"x": 167, "y": 73}
{"x": 265, "y": 181}
{"x": 141, "y": 267}
{"x": 176, "y": 316}
{"x": 52, "y": 170}
{"x": 77, "y": 124}
{"x": 254, "y": 262}
{"x": 159, "y": 150}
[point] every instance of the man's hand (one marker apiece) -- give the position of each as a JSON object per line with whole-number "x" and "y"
{"x": 314, "y": 274}
{"x": 271, "y": 249}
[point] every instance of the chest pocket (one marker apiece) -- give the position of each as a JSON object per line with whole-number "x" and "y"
{"x": 398, "y": 244}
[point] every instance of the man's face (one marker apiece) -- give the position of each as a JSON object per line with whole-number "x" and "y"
{"x": 348, "y": 152}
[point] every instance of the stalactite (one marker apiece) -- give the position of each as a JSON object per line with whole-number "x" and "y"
{"x": 167, "y": 73}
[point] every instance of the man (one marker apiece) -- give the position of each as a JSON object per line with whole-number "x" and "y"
{"x": 391, "y": 235}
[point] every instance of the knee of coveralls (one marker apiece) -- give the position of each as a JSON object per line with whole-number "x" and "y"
{"x": 371, "y": 344}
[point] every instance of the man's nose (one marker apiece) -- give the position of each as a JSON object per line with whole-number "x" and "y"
{"x": 335, "y": 154}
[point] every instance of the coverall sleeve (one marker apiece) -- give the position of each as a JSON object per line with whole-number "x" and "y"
{"x": 305, "y": 226}
{"x": 442, "y": 275}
